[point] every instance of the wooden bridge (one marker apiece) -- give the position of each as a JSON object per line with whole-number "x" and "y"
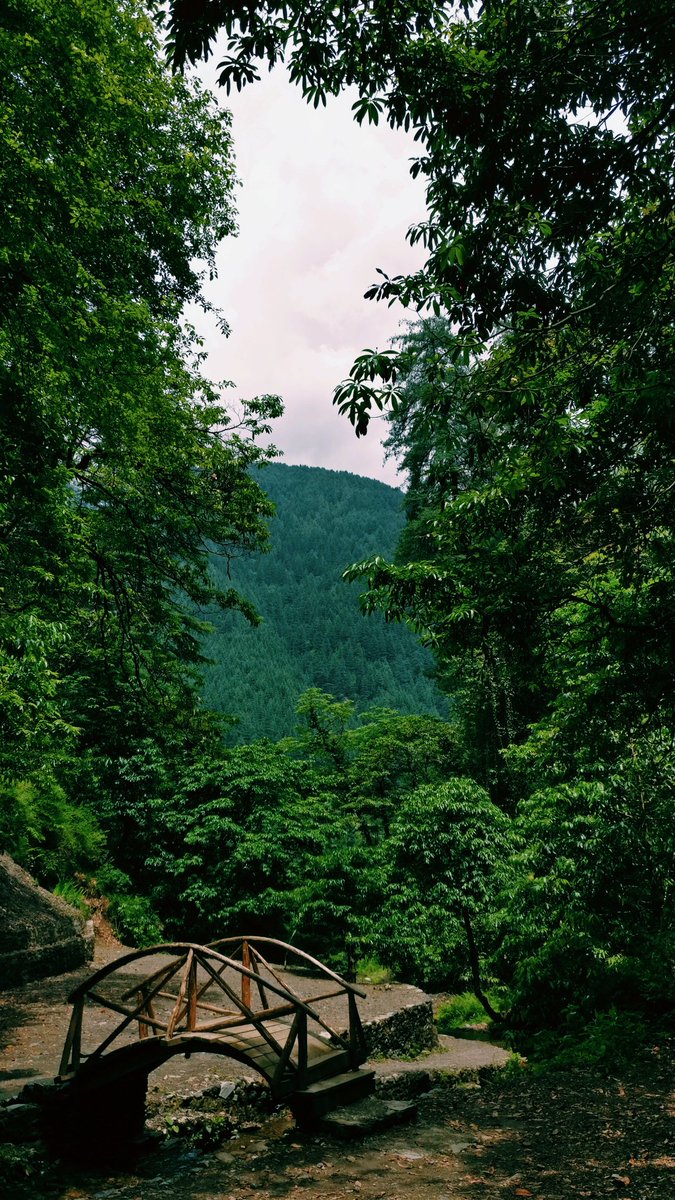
{"x": 225, "y": 998}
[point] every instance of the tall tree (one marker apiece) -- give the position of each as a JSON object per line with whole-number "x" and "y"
{"x": 120, "y": 467}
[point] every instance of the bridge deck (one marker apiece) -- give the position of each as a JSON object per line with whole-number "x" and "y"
{"x": 247, "y": 1041}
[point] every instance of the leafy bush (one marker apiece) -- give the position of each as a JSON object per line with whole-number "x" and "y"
{"x": 44, "y": 832}
{"x": 73, "y": 894}
{"x": 21, "y": 1169}
{"x": 588, "y": 926}
{"x": 609, "y": 1038}
{"x": 134, "y": 920}
{"x": 372, "y": 971}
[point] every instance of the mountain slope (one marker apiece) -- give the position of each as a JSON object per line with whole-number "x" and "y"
{"x": 314, "y": 634}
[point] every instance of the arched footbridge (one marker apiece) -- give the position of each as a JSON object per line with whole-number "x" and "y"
{"x": 226, "y": 998}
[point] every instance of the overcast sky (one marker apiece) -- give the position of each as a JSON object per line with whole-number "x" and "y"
{"x": 323, "y": 202}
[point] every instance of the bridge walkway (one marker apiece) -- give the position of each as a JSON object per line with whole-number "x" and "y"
{"x": 201, "y": 1000}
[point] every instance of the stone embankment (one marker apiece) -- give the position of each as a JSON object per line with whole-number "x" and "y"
{"x": 40, "y": 935}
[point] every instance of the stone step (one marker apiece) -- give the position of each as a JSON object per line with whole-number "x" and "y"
{"x": 310, "y": 1103}
{"x": 367, "y": 1116}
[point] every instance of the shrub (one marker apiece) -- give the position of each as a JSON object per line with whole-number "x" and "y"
{"x": 134, "y": 920}
{"x": 609, "y": 1039}
{"x": 371, "y": 969}
{"x": 73, "y": 894}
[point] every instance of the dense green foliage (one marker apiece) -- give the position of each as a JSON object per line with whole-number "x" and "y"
{"x": 533, "y": 413}
{"x": 118, "y": 464}
{"x": 313, "y": 634}
{"x": 292, "y": 839}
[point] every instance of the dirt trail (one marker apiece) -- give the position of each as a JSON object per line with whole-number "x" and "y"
{"x": 502, "y": 1136}
{"x": 34, "y": 1021}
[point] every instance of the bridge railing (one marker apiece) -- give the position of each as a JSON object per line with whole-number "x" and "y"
{"x": 198, "y": 971}
{"x": 252, "y": 960}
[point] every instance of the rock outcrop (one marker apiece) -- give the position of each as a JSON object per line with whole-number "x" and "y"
{"x": 40, "y": 934}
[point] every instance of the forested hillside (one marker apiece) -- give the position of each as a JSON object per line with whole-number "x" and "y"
{"x": 313, "y": 632}
{"x": 528, "y": 841}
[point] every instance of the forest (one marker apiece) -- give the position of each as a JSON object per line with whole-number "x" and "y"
{"x": 312, "y": 632}
{"x": 511, "y": 833}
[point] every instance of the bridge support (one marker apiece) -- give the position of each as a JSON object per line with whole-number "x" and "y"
{"x": 95, "y": 1123}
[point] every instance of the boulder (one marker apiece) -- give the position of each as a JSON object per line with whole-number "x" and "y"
{"x": 40, "y": 934}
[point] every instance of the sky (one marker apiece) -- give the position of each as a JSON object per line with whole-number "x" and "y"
{"x": 322, "y": 203}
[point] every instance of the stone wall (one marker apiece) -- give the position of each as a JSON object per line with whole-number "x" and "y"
{"x": 407, "y": 1031}
{"x": 40, "y": 934}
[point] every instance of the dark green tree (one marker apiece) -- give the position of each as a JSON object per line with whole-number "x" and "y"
{"x": 447, "y": 861}
{"x": 120, "y": 468}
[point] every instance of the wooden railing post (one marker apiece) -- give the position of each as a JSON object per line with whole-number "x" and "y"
{"x": 141, "y": 999}
{"x": 246, "y": 979}
{"x": 356, "y": 1036}
{"x": 178, "y": 1007}
{"x": 302, "y": 1046}
{"x": 70, "y": 1059}
{"x": 192, "y": 995}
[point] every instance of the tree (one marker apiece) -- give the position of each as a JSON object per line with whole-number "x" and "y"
{"x": 447, "y": 860}
{"x": 472, "y": 572}
{"x": 588, "y": 924}
{"x": 391, "y": 755}
{"x": 512, "y": 105}
{"x": 121, "y": 468}
{"x": 240, "y": 831}
{"x": 328, "y": 48}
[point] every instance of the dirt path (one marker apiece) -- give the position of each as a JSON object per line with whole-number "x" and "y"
{"x": 498, "y": 1137}
{"x": 34, "y": 1021}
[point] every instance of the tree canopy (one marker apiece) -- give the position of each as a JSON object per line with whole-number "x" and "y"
{"x": 120, "y": 466}
{"x": 532, "y": 410}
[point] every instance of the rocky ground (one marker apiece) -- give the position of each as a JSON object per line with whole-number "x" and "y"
{"x": 483, "y": 1132}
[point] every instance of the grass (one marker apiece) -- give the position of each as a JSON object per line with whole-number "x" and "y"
{"x": 73, "y": 895}
{"x": 464, "y": 1009}
{"x": 369, "y": 970}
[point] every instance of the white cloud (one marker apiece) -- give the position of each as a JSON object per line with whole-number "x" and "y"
{"x": 323, "y": 203}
